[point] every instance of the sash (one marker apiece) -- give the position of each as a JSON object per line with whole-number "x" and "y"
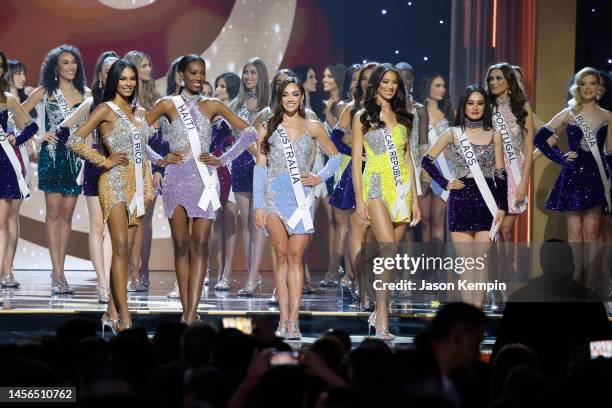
{"x": 10, "y": 153}
{"x": 501, "y": 126}
{"x": 25, "y": 154}
{"x": 401, "y": 189}
{"x": 591, "y": 139}
{"x": 302, "y": 212}
{"x": 210, "y": 181}
{"x": 441, "y": 160}
{"x": 483, "y": 187}
{"x": 66, "y": 111}
{"x": 138, "y": 199}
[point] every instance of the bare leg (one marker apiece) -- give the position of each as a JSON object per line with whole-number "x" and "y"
{"x": 330, "y": 231}
{"x": 295, "y": 274}
{"x": 147, "y": 239}
{"x": 280, "y": 243}
{"x": 179, "y": 225}
{"x": 574, "y": 237}
{"x": 230, "y": 221}
{"x": 426, "y": 214}
{"x": 357, "y": 236}
{"x": 341, "y": 221}
{"x": 216, "y": 241}
{"x": 13, "y": 237}
{"x": 593, "y": 248}
{"x": 437, "y": 219}
{"x": 53, "y": 203}
{"x": 96, "y": 240}
{"x": 243, "y": 200}
{"x": 198, "y": 254}
{"x": 65, "y": 222}
{"x": 5, "y": 207}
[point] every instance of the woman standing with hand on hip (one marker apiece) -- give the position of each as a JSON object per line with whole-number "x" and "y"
{"x": 388, "y": 199}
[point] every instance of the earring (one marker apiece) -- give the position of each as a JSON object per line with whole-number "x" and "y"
{"x": 509, "y": 92}
{"x": 56, "y": 74}
{"x": 182, "y": 83}
{"x": 99, "y": 84}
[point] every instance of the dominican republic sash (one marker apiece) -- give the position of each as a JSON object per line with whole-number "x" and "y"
{"x": 10, "y": 153}
{"x": 302, "y": 212}
{"x": 401, "y": 189}
{"x": 138, "y": 199}
{"x": 210, "y": 181}
{"x": 441, "y": 160}
{"x": 65, "y": 112}
{"x": 483, "y": 187}
{"x": 591, "y": 139}
{"x": 501, "y": 125}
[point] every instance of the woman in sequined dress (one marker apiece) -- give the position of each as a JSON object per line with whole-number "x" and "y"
{"x": 282, "y": 195}
{"x": 61, "y": 75}
{"x": 509, "y": 100}
{"x": 184, "y": 188}
{"x": 254, "y": 95}
{"x": 118, "y": 123}
{"x": 469, "y": 218}
{"x": 14, "y": 186}
{"x": 378, "y": 201}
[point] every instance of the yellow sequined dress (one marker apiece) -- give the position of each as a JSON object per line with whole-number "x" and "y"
{"x": 378, "y": 181}
{"x": 118, "y": 185}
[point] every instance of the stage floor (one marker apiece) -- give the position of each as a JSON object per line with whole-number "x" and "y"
{"x": 32, "y": 311}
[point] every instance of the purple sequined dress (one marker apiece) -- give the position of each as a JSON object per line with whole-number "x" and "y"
{"x": 222, "y": 139}
{"x": 91, "y": 172}
{"x": 579, "y": 186}
{"x": 182, "y": 183}
{"x": 242, "y": 166}
{"x": 9, "y": 187}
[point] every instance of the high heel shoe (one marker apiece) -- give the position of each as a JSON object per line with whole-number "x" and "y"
{"x": 103, "y": 294}
{"x": 174, "y": 293}
{"x": 330, "y": 281}
{"x": 198, "y": 319}
{"x": 273, "y": 300}
{"x": 381, "y": 330}
{"x": 108, "y": 323}
{"x": 59, "y": 286}
{"x": 9, "y": 281}
{"x": 125, "y": 326}
{"x": 144, "y": 280}
{"x": 135, "y": 286}
{"x": 293, "y": 331}
{"x": 250, "y": 288}
{"x": 281, "y": 332}
{"x": 223, "y": 284}
{"x": 307, "y": 289}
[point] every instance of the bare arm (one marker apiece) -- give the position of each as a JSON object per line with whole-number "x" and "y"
{"x": 221, "y": 109}
{"x": 423, "y": 125}
{"x": 20, "y": 115}
{"x": 162, "y": 107}
{"x": 33, "y": 99}
{"x": 76, "y": 116}
{"x": 357, "y": 157}
{"x": 444, "y": 140}
{"x": 527, "y": 149}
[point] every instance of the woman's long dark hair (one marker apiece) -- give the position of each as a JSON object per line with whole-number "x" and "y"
{"x": 398, "y": 102}
{"x": 445, "y": 104}
{"x": 359, "y": 93}
{"x": 97, "y": 87}
{"x": 338, "y": 72}
{"x": 4, "y": 86}
{"x": 515, "y": 93}
{"x": 48, "y": 71}
{"x": 347, "y": 95}
{"x": 274, "y": 89}
{"x": 16, "y": 67}
{"x": 277, "y": 114}
{"x": 112, "y": 81}
{"x": 171, "y": 85}
{"x": 315, "y": 99}
{"x": 232, "y": 84}
{"x": 186, "y": 60}
{"x": 488, "y": 113}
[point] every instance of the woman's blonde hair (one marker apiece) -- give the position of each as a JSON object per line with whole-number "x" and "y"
{"x": 148, "y": 95}
{"x": 575, "y": 103}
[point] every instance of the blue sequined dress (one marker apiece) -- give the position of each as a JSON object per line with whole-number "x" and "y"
{"x": 343, "y": 196}
{"x": 9, "y": 187}
{"x": 242, "y": 166}
{"x": 58, "y": 166}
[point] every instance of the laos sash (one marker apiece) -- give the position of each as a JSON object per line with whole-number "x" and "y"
{"x": 302, "y": 212}
{"x": 65, "y": 111}
{"x": 210, "y": 181}
{"x": 441, "y": 160}
{"x": 501, "y": 125}
{"x": 470, "y": 158}
{"x": 137, "y": 151}
{"x": 591, "y": 139}
{"x": 10, "y": 153}
{"x": 401, "y": 189}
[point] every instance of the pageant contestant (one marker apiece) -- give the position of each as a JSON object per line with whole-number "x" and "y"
{"x": 126, "y": 187}
{"x": 582, "y": 189}
{"x": 191, "y": 189}
{"x": 388, "y": 199}
{"x": 14, "y": 186}
{"x": 433, "y": 202}
{"x": 478, "y": 200}
{"x": 254, "y": 95}
{"x": 61, "y": 92}
{"x": 282, "y": 194}
{"x": 138, "y": 274}
{"x": 100, "y": 248}
{"x": 513, "y": 120}
{"x": 308, "y": 77}
{"x": 223, "y": 236}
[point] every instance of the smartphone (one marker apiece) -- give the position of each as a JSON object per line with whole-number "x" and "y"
{"x": 285, "y": 358}
{"x": 600, "y": 349}
{"x": 244, "y": 324}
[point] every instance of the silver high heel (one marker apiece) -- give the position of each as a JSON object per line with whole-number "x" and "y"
{"x": 108, "y": 323}
{"x": 135, "y": 286}
{"x": 250, "y": 288}
{"x": 144, "y": 280}
{"x": 59, "y": 286}
{"x": 9, "y": 281}
{"x": 103, "y": 294}
{"x": 223, "y": 284}
{"x": 293, "y": 331}
{"x": 281, "y": 332}
{"x": 381, "y": 331}
{"x": 273, "y": 300}
{"x": 174, "y": 293}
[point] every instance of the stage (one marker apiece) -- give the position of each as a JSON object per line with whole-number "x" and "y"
{"x": 31, "y": 311}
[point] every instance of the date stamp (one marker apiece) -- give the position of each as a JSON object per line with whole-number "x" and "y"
{"x": 37, "y": 394}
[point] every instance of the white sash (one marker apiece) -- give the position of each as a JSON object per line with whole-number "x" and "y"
{"x": 65, "y": 111}
{"x": 137, "y": 151}
{"x": 470, "y": 158}
{"x": 401, "y": 189}
{"x": 502, "y": 127}
{"x": 25, "y": 154}
{"x": 210, "y": 181}
{"x": 591, "y": 139}
{"x": 10, "y": 153}
{"x": 441, "y": 159}
{"x": 302, "y": 212}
